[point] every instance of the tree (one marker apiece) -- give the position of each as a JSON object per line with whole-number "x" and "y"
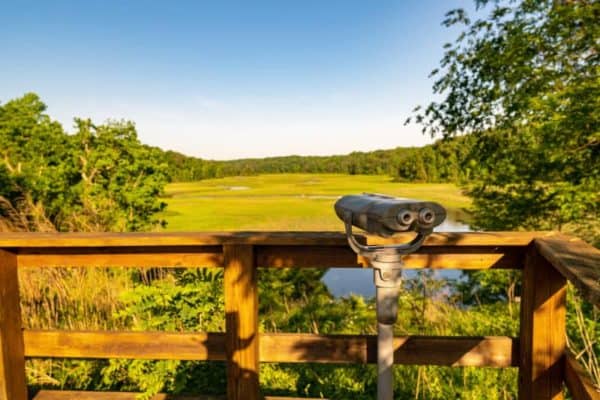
{"x": 524, "y": 82}
{"x": 34, "y": 155}
{"x": 101, "y": 179}
{"x": 120, "y": 179}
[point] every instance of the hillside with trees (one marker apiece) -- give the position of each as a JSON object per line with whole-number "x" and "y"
{"x": 443, "y": 161}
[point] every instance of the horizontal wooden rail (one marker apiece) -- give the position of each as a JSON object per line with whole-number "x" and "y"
{"x": 438, "y": 257}
{"x": 142, "y": 345}
{"x": 576, "y": 260}
{"x": 489, "y": 351}
{"x": 173, "y": 256}
{"x": 270, "y": 256}
{"x": 141, "y": 240}
{"x": 83, "y": 395}
{"x": 88, "y": 395}
{"x": 492, "y": 351}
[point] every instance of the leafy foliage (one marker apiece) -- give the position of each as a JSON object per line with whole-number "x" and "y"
{"x": 439, "y": 162}
{"x": 524, "y": 83}
{"x": 121, "y": 179}
{"x": 293, "y": 300}
{"x": 99, "y": 179}
{"x": 188, "y": 300}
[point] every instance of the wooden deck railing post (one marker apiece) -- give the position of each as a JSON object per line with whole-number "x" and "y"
{"x": 241, "y": 308}
{"x": 12, "y": 358}
{"x": 543, "y": 335}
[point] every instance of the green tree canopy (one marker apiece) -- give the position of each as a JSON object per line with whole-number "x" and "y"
{"x": 120, "y": 179}
{"x": 524, "y": 82}
{"x": 99, "y": 179}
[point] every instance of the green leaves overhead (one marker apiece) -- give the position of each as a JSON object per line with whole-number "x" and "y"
{"x": 524, "y": 83}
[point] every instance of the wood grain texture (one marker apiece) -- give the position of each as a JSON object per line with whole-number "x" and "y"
{"x": 578, "y": 381}
{"x": 274, "y": 347}
{"x": 170, "y": 256}
{"x": 84, "y": 395}
{"x": 412, "y": 350}
{"x": 142, "y": 345}
{"x": 241, "y": 320}
{"x": 40, "y": 240}
{"x": 12, "y": 358}
{"x": 577, "y": 261}
{"x": 276, "y": 256}
{"x": 439, "y": 257}
{"x": 543, "y": 335}
{"x": 81, "y": 395}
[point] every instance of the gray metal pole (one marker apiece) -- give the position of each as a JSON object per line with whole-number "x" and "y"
{"x": 385, "y": 362}
{"x": 388, "y": 281}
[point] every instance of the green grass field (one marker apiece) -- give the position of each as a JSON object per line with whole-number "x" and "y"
{"x": 286, "y": 201}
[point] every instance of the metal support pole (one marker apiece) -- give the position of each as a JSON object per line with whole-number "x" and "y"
{"x": 387, "y": 274}
{"x": 385, "y": 361}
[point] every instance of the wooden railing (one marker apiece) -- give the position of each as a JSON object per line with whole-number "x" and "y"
{"x": 548, "y": 260}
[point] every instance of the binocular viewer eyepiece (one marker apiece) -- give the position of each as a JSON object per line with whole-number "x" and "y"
{"x": 384, "y": 215}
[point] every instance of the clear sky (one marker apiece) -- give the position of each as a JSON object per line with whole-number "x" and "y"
{"x": 231, "y": 79}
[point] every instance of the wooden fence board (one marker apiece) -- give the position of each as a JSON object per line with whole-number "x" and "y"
{"x": 489, "y": 351}
{"x": 577, "y": 261}
{"x": 54, "y": 240}
{"x": 12, "y": 359}
{"x": 542, "y": 332}
{"x": 579, "y": 383}
{"x": 82, "y": 395}
{"x": 241, "y": 320}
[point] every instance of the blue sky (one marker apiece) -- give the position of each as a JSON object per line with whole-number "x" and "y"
{"x": 231, "y": 79}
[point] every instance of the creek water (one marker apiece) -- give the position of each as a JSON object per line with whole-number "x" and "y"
{"x": 345, "y": 281}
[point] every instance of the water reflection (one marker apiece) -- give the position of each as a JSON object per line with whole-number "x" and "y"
{"x": 345, "y": 281}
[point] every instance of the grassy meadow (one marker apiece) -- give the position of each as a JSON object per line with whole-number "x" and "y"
{"x": 287, "y": 201}
{"x": 192, "y": 300}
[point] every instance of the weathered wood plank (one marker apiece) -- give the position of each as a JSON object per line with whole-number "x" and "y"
{"x": 578, "y": 381}
{"x": 440, "y": 257}
{"x": 274, "y": 347}
{"x": 84, "y": 395}
{"x": 543, "y": 335}
{"x": 411, "y": 350}
{"x": 241, "y": 320}
{"x": 81, "y": 395}
{"x": 36, "y": 239}
{"x": 12, "y": 358}
{"x": 461, "y": 239}
{"x": 577, "y": 261}
{"x": 318, "y": 256}
{"x": 172, "y": 256}
{"x": 142, "y": 345}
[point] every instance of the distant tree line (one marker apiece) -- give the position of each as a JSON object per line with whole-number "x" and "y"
{"x": 102, "y": 178}
{"x": 444, "y": 161}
